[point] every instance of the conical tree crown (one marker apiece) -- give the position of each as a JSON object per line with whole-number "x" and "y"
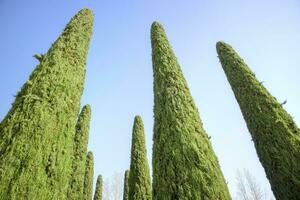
{"x": 126, "y": 186}
{"x": 37, "y": 134}
{"x": 184, "y": 164}
{"x": 79, "y": 154}
{"x": 98, "y": 192}
{"x": 139, "y": 179}
{"x": 274, "y": 133}
{"x": 88, "y": 178}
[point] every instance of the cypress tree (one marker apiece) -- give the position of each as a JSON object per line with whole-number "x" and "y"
{"x": 98, "y": 192}
{"x": 36, "y": 136}
{"x": 273, "y": 131}
{"x": 126, "y": 186}
{"x": 139, "y": 179}
{"x": 184, "y": 163}
{"x": 88, "y": 177}
{"x": 79, "y": 154}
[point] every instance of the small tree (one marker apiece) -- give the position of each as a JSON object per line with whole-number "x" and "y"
{"x": 106, "y": 190}
{"x": 116, "y": 186}
{"x": 79, "y": 154}
{"x": 98, "y": 192}
{"x": 139, "y": 179}
{"x": 126, "y": 186}
{"x": 88, "y": 178}
{"x": 248, "y": 188}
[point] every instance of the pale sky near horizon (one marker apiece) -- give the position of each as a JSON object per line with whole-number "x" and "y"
{"x": 119, "y": 70}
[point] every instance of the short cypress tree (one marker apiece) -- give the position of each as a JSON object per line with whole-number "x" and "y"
{"x": 274, "y": 133}
{"x": 79, "y": 154}
{"x": 36, "y": 136}
{"x": 139, "y": 179}
{"x": 98, "y": 191}
{"x": 126, "y": 186}
{"x": 88, "y": 178}
{"x": 184, "y": 163}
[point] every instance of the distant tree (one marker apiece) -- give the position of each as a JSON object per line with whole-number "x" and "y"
{"x": 117, "y": 186}
{"x": 107, "y": 195}
{"x": 139, "y": 179}
{"x": 88, "y": 178}
{"x": 98, "y": 191}
{"x": 248, "y": 188}
{"x": 275, "y": 135}
{"x": 37, "y": 134}
{"x": 112, "y": 187}
{"x": 126, "y": 186}
{"x": 79, "y": 154}
{"x": 184, "y": 163}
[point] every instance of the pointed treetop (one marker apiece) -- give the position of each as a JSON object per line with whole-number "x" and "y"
{"x": 98, "y": 191}
{"x": 273, "y": 131}
{"x": 88, "y": 179}
{"x": 75, "y": 190}
{"x": 39, "y": 151}
{"x": 86, "y": 110}
{"x": 184, "y": 164}
{"x": 126, "y": 186}
{"x": 139, "y": 179}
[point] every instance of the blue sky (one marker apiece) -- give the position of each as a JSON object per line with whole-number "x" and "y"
{"x": 119, "y": 71}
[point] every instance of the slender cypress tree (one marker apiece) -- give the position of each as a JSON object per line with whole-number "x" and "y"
{"x": 88, "y": 178}
{"x": 184, "y": 163}
{"x": 98, "y": 192}
{"x": 36, "y": 136}
{"x": 139, "y": 179}
{"x": 274, "y": 133}
{"x": 79, "y": 154}
{"x": 126, "y": 186}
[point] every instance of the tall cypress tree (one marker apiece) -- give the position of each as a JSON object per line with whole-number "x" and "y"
{"x": 139, "y": 179}
{"x": 36, "y": 136}
{"x": 126, "y": 186}
{"x": 98, "y": 192}
{"x": 79, "y": 154}
{"x": 184, "y": 163}
{"x": 88, "y": 178}
{"x": 274, "y": 133}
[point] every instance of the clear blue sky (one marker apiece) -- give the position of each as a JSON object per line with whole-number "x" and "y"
{"x": 119, "y": 70}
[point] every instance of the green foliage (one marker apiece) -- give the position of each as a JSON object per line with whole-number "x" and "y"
{"x": 88, "y": 177}
{"x": 184, "y": 164}
{"x": 139, "y": 179}
{"x": 126, "y": 186}
{"x": 274, "y": 133}
{"x": 36, "y": 136}
{"x": 79, "y": 154}
{"x": 98, "y": 192}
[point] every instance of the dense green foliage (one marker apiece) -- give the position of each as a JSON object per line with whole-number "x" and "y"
{"x": 139, "y": 179}
{"x": 275, "y": 135}
{"x": 126, "y": 186}
{"x": 98, "y": 191}
{"x": 36, "y": 136}
{"x": 88, "y": 177}
{"x": 79, "y": 154}
{"x": 184, "y": 164}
